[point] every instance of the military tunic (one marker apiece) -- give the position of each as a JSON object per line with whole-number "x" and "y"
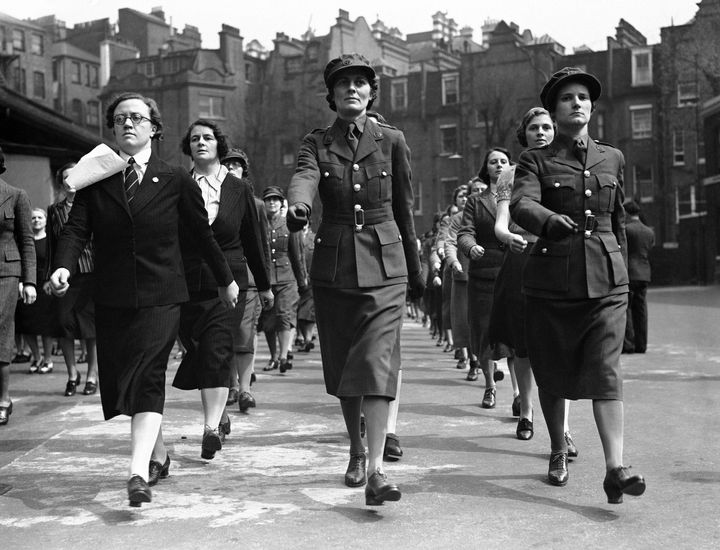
{"x": 576, "y": 287}
{"x": 365, "y": 247}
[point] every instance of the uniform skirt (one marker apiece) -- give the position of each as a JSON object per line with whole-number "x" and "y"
{"x": 574, "y": 345}
{"x": 306, "y": 306}
{"x": 507, "y": 319}
{"x": 284, "y": 312}
{"x": 480, "y": 302}
{"x": 359, "y": 332}
{"x": 245, "y": 342}
{"x": 8, "y": 303}
{"x": 133, "y": 347}
{"x": 208, "y": 330}
{"x": 459, "y": 314}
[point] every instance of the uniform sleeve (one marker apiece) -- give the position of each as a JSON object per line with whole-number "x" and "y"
{"x": 618, "y": 214}
{"x": 24, "y": 238}
{"x": 251, "y": 236}
{"x": 75, "y": 233}
{"x": 525, "y": 207}
{"x": 403, "y": 202}
{"x": 451, "y": 248}
{"x": 305, "y": 180}
{"x": 296, "y": 252}
{"x": 192, "y": 212}
{"x": 466, "y": 236}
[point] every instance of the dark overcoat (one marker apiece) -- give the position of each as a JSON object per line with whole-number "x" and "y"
{"x": 640, "y": 239}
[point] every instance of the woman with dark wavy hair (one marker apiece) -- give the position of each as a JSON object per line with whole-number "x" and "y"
{"x": 208, "y": 329}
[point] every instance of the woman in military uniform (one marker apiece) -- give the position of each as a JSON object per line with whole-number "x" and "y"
{"x": 365, "y": 255}
{"x": 570, "y": 194}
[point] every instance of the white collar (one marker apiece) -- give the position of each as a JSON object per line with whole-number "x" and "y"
{"x": 141, "y": 158}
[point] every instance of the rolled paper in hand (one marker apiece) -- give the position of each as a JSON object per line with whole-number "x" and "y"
{"x": 97, "y": 165}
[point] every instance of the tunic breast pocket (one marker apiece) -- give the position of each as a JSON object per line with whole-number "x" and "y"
{"x": 558, "y": 193}
{"x": 379, "y": 182}
{"x": 548, "y": 265}
{"x": 391, "y": 249}
{"x": 607, "y": 187}
{"x": 325, "y": 257}
{"x": 7, "y": 219}
{"x": 331, "y": 178}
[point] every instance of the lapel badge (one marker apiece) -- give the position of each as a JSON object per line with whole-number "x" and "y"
{"x": 155, "y": 179}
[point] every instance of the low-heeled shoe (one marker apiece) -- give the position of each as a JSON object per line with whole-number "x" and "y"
{"x": 272, "y": 365}
{"x": 524, "y": 429}
{"x": 392, "y": 451}
{"x": 285, "y": 365}
{"x": 138, "y": 491}
{"x": 356, "y": 475}
{"x": 90, "y": 388}
{"x": 158, "y": 471}
{"x": 224, "y": 429}
{"x": 210, "y": 444}
{"x": 71, "y": 386}
{"x": 245, "y": 401}
{"x": 488, "y": 401}
{"x": 572, "y": 449}
{"x": 232, "y": 397}
{"x": 516, "y": 406}
{"x": 5, "y": 412}
{"x": 619, "y": 481}
{"x": 473, "y": 373}
{"x": 379, "y": 490}
{"x": 558, "y": 470}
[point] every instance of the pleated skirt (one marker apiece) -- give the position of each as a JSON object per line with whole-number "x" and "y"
{"x": 574, "y": 345}
{"x": 133, "y": 347}
{"x": 359, "y": 333}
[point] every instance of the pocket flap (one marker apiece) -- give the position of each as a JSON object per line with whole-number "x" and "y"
{"x": 388, "y": 233}
{"x": 558, "y": 181}
{"x": 607, "y": 180}
{"x": 378, "y": 171}
{"x": 546, "y": 248}
{"x": 12, "y": 255}
{"x": 609, "y": 242}
{"x": 332, "y": 170}
{"x": 328, "y": 235}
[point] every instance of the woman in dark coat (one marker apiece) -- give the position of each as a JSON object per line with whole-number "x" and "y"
{"x": 570, "y": 194}
{"x": 365, "y": 254}
{"x": 208, "y": 329}
{"x": 476, "y": 239}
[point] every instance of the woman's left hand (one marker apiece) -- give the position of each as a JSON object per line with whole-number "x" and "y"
{"x": 29, "y": 294}
{"x": 229, "y": 294}
{"x": 477, "y": 252}
{"x": 516, "y": 243}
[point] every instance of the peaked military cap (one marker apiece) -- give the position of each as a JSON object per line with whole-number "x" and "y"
{"x": 344, "y": 62}
{"x": 562, "y": 77}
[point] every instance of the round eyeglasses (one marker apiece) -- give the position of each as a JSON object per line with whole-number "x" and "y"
{"x": 135, "y": 118}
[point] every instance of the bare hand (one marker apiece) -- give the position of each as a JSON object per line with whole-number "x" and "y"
{"x": 516, "y": 243}
{"x": 229, "y": 294}
{"x": 29, "y": 294}
{"x": 437, "y": 281}
{"x": 267, "y": 299}
{"x": 47, "y": 288}
{"x": 59, "y": 281}
{"x": 477, "y": 252}
{"x": 457, "y": 267}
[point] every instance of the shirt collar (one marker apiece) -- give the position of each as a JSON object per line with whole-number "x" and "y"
{"x": 141, "y": 158}
{"x": 359, "y": 123}
{"x": 213, "y": 180}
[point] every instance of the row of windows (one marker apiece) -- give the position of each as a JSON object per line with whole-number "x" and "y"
{"x": 18, "y": 40}
{"x": 20, "y": 82}
{"x": 450, "y": 92}
{"x": 88, "y": 113}
{"x": 90, "y": 73}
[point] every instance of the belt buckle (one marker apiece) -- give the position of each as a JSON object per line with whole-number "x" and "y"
{"x": 589, "y": 224}
{"x": 359, "y": 215}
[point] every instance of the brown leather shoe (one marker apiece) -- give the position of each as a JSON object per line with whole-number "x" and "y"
{"x": 355, "y": 475}
{"x": 379, "y": 490}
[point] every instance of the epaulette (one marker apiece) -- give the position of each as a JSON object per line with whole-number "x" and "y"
{"x": 385, "y": 125}
{"x": 605, "y": 143}
{"x": 318, "y": 130}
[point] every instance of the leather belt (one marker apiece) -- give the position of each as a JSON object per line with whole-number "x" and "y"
{"x": 359, "y": 217}
{"x": 591, "y": 223}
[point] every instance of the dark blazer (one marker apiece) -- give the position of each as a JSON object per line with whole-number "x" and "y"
{"x": 377, "y": 179}
{"x": 640, "y": 240}
{"x": 237, "y": 230}
{"x": 137, "y": 250}
{"x": 477, "y": 226}
{"x": 287, "y": 258}
{"x": 17, "y": 247}
{"x": 550, "y": 180}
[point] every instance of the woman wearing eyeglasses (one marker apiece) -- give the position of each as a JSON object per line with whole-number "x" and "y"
{"x": 133, "y": 217}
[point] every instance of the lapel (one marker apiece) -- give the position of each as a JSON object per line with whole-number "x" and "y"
{"x": 336, "y": 142}
{"x": 595, "y": 154}
{"x": 115, "y": 187}
{"x": 564, "y": 155}
{"x": 229, "y": 197}
{"x": 486, "y": 199}
{"x": 368, "y": 140}
{"x": 157, "y": 175}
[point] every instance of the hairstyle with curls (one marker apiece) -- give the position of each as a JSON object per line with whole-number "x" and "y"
{"x": 222, "y": 140}
{"x": 483, "y": 174}
{"x": 459, "y": 189}
{"x": 526, "y": 119}
{"x": 155, "y": 118}
{"x": 373, "y": 89}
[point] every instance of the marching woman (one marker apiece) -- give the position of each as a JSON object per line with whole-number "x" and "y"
{"x": 570, "y": 194}
{"x": 365, "y": 255}
{"x": 209, "y": 329}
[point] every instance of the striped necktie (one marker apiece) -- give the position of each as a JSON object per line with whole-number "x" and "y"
{"x": 132, "y": 182}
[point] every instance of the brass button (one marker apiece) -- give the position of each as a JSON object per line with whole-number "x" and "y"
{"x": 319, "y": 240}
{"x": 588, "y": 212}
{"x": 556, "y": 184}
{"x": 326, "y": 174}
{"x": 614, "y": 184}
{"x": 355, "y": 167}
{"x": 586, "y": 173}
{"x": 588, "y": 193}
{"x": 384, "y": 173}
{"x": 356, "y": 187}
{"x": 544, "y": 251}
{"x": 358, "y": 208}
{"x": 273, "y": 251}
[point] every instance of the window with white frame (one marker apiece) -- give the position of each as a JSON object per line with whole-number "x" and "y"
{"x": 690, "y": 201}
{"x": 642, "y": 178}
{"x": 678, "y": 148}
{"x": 641, "y": 121}
{"x": 211, "y": 106}
{"x": 451, "y": 89}
{"x": 75, "y": 73}
{"x": 687, "y": 94}
{"x": 18, "y": 40}
{"x": 448, "y": 140}
{"x": 399, "y": 95}
{"x": 37, "y": 44}
{"x": 642, "y": 67}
